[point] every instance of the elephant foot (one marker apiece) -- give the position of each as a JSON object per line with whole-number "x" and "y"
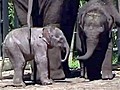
{"x": 92, "y": 79}
{"x": 57, "y": 74}
{"x": 85, "y": 76}
{"x": 19, "y": 84}
{"x": 1, "y": 77}
{"x": 108, "y": 77}
{"x": 95, "y": 77}
{"x": 46, "y": 82}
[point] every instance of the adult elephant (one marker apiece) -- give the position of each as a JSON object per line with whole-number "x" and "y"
{"x": 94, "y": 25}
{"x": 58, "y": 13}
{"x": 107, "y": 64}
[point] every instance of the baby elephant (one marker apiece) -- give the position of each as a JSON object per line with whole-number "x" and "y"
{"x": 17, "y": 47}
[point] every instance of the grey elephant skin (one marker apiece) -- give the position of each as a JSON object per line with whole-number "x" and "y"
{"x": 94, "y": 26}
{"x": 107, "y": 64}
{"x": 16, "y": 46}
{"x": 57, "y": 12}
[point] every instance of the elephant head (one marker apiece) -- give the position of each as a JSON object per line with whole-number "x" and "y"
{"x": 55, "y": 38}
{"x": 93, "y": 23}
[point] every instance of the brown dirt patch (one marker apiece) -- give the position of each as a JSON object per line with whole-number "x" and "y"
{"x": 67, "y": 84}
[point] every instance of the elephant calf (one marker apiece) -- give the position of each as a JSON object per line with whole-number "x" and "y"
{"x": 17, "y": 48}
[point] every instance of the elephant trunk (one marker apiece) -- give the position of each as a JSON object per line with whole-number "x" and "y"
{"x": 67, "y": 51}
{"x": 90, "y": 49}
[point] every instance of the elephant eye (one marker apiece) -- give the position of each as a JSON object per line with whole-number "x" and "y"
{"x": 61, "y": 39}
{"x": 51, "y": 35}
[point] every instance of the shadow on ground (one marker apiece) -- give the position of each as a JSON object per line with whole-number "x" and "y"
{"x": 28, "y": 81}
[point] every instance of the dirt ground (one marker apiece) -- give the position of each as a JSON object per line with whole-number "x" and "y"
{"x": 67, "y": 84}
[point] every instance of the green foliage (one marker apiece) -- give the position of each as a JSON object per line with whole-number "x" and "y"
{"x": 115, "y": 48}
{"x": 82, "y": 2}
{"x": 11, "y": 14}
{"x": 114, "y": 39}
{"x": 115, "y": 58}
{"x": 74, "y": 64}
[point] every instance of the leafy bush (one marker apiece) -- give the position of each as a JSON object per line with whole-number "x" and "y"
{"x": 11, "y": 14}
{"x": 74, "y": 64}
{"x": 115, "y": 58}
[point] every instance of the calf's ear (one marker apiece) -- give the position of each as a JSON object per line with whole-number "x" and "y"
{"x": 45, "y": 32}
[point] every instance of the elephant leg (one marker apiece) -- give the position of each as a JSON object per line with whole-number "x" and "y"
{"x": 1, "y": 67}
{"x": 35, "y": 76}
{"x": 80, "y": 47}
{"x": 93, "y": 67}
{"x": 21, "y": 7}
{"x": 83, "y": 70}
{"x": 107, "y": 64}
{"x": 42, "y": 67}
{"x": 94, "y": 64}
{"x": 17, "y": 60}
{"x": 56, "y": 70}
{"x": 52, "y": 12}
{"x": 68, "y": 18}
{"x": 82, "y": 67}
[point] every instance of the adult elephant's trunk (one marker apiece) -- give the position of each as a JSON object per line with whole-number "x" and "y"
{"x": 90, "y": 49}
{"x": 67, "y": 50}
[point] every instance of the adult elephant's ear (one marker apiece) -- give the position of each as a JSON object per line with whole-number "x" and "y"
{"x": 81, "y": 20}
{"x": 111, "y": 22}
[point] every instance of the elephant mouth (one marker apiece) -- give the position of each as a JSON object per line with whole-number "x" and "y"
{"x": 50, "y": 46}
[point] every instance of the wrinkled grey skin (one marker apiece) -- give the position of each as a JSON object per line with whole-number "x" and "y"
{"x": 30, "y": 5}
{"x": 17, "y": 48}
{"x": 44, "y": 12}
{"x": 107, "y": 64}
{"x": 92, "y": 36}
{"x": 93, "y": 22}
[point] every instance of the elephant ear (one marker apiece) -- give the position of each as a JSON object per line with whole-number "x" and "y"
{"x": 81, "y": 22}
{"x": 46, "y": 35}
{"x": 110, "y": 22}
